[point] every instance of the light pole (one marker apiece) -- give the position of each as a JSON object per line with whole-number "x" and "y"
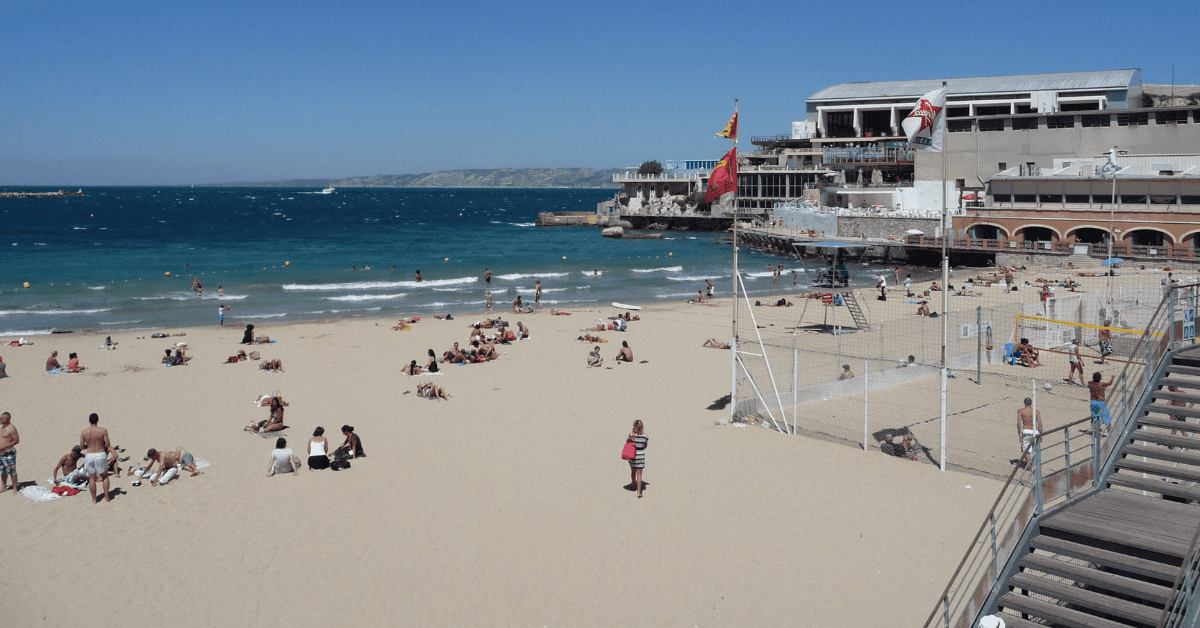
{"x": 1111, "y": 169}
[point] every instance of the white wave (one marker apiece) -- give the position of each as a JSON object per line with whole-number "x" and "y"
{"x": 39, "y": 244}
{"x": 262, "y": 315}
{"x": 367, "y": 297}
{"x": 668, "y": 269}
{"x": 33, "y": 332}
{"x": 97, "y": 287}
{"x": 80, "y": 228}
{"x": 515, "y": 276}
{"x": 674, "y": 295}
{"x": 583, "y": 287}
{"x": 121, "y": 322}
{"x": 39, "y": 312}
{"x": 523, "y": 224}
{"x": 554, "y": 289}
{"x": 694, "y": 278}
{"x": 756, "y": 275}
{"x": 449, "y": 289}
{"x": 228, "y": 297}
{"x": 380, "y": 285}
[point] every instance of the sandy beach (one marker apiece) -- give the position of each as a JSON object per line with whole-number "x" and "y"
{"x": 505, "y": 505}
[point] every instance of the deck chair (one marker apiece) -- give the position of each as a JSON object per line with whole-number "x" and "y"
{"x": 1010, "y": 354}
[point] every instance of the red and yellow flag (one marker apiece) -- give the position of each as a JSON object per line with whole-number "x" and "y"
{"x": 730, "y": 130}
{"x": 723, "y": 179}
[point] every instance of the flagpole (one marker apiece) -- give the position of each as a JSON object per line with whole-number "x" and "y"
{"x": 734, "y": 342}
{"x": 945, "y": 273}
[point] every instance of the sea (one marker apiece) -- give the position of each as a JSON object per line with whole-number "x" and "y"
{"x": 125, "y": 258}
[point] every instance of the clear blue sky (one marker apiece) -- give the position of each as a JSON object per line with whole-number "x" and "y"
{"x": 167, "y": 92}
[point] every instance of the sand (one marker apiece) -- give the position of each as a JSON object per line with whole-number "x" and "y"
{"x": 504, "y": 506}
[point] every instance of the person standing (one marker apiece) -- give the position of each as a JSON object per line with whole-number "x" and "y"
{"x": 537, "y": 294}
{"x": 487, "y": 276}
{"x": 8, "y": 453}
{"x": 96, "y": 447}
{"x": 1076, "y": 362}
{"x": 1029, "y": 426}
{"x": 220, "y": 291}
{"x": 710, "y": 288}
{"x": 418, "y": 276}
{"x": 1096, "y": 391}
{"x": 638, "y": 463}
{"x": 221, "y": 314}
{"x": 881, "y": 283}
{"x": 489, "y": 300}
{"x": 1105, "y": 342}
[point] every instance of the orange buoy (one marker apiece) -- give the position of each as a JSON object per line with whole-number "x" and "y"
{"x": 286, "y": 264}
{"x": 168, "y": 274}
{"x": 26, "y": 284}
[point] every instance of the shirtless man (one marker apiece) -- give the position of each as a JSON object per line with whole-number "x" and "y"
{"x": 1030, "y": 355}
{"x": 418, "y": 277}
{"x": 8, "y": 452}
{"x": 453, "y": 355}
{"x": 517, "y": 305}
{"x": 523, "y": 331}
{"x": 169, "y": 461}
{"x": 710, "y": 286}
{"x": 67, "y": 463}
{"x": 428, "y": 389}
{"x": 625, "y": 354}
{"x": 96, "y": 447}
{"x": 1025, "y": 425}
{"x": 923, "y": 309}
{"x": 1076, "y": 362}
{"x": 713, "y": 343}
{"x": 489, "y": 300}
{"x": 537, "y": 294}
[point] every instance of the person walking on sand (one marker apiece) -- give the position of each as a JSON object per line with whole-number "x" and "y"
{"x": 96, "y": 447}
{"x": 1076, "y": 362}
{"x": 8, "y": 453}
{"x": 1027, "y": 429}
{"x": 638, "y": 463}
{"x": 1105, "y": 342}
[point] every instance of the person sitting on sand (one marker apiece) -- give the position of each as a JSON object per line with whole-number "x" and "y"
{"x": 713, "y": 343}
{"x": 589, "y": 338}
{"x": 432, "y": 365}
{"x": 594, "y": 359}
{"x": 318, "y": 446}
{"x": 180, "y": 357}
{"x": 934, "y": 287}
{"x": 428, "y": 389}
{"x": 283, "y": 460}
{"x": 166, "y": 359}
{"x": 523, "y": 330}
{"x": 273, "y": 366}
{"x": 274, "y": 423}
{"x": 109, "y": 344}
{"x": 248, "y": 335}
{"x": 476, "y": 335}
{"x": 412, "y": 369}
{"x": 923, "y": 308}
{"x": 52, "y": 362}
{"x": 846, "y": 373}
{"x": 517, "y": 306}
{"x": 453, "y": 355}
{"x": 67, "y": 464}
{"x": 1028, "y": 353}
{"x": 625, "y": 354}
{"x": 487, "y": 351}
{"x": 73, "y": 365}
{"x": 352, "y": 447}
{"x": 170, "y": 463}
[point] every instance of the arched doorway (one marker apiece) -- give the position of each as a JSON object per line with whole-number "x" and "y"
{"x": 1091, "y": 235}
{"x": 1037, "y": 234}
{"x": 985, "y": 232}
{"x": 1147, "y": 237}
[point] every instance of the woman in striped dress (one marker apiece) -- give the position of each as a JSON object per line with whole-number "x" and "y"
{"x": 640, "y": 441}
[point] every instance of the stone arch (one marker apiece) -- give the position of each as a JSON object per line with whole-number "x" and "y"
{"x": 1001, "y": 232}
{"x": 1089, "y": 234}
{"x": 1023, "y": 230}
{"x": 1148, "y": 236}
{"x": 1194, "y": 234}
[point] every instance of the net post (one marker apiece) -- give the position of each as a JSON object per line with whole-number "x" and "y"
{"x": 866, "y": 400}
{"x": 978, "y": 344}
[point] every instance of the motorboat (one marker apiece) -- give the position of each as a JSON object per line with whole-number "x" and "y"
{"x": 328, "y": 190}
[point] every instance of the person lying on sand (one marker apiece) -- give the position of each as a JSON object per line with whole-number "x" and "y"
{"x": 170, "y": 463}
{"x": 443, "y": 317}
{"x": 265, "y": 400}
{"x": 598, "y": 327}
{"x": 428, "y": 389}
{"x": 274, "y": 366}
{"x": 967, "y": 293}
{"x": 590, "y": 338}
{"x": 714, "y": 344}
{"x": 625, "y": 316}
{"x": 412, "y": 369}
{"x": 625, "y": 354}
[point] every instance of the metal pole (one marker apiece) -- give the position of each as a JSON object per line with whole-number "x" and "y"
{"x": 866, "y": 399}
{"x": 945, "y": 276}
{"x": 1111, "y": 224}
{"x": 1037, "y": 453}
{"x": 795, "y": 382}
{"x": 979, "y": 344}
{"x": 734, "y": 343}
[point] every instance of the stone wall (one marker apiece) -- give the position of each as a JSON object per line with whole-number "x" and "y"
{"x": 803, "y": 221}
{"x": 883, "y": 226}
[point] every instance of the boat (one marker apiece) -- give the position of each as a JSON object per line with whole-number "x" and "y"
{"x": 328, "y": 190}
{"x": 626, "y": 306}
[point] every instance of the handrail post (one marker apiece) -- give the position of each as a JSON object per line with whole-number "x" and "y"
{"x": 995, "y": 550}
{"x": 946, "y": 610}
{"x": 1170, "y": 318}
{"x": 1037, "y": 473}
{"x": 1067, "y": 447}
{"x": 1096, "y": 452}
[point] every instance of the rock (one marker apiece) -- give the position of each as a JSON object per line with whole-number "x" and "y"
{"x": 613, "y": 232}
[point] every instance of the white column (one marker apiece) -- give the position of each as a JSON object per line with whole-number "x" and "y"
{"x": 858, "y": 132}
{"x": 893, "y": 123}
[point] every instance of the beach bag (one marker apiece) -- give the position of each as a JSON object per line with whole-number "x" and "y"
{"x": 338, "y": 465}
{"x": 629, "y": 452}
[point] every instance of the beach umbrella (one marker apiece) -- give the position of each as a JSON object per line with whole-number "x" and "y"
{"x": 1112, "y": 261}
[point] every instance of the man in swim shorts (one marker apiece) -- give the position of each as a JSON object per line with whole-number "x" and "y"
{"x": 96, "y": 447}
{"x": 170, "y": 463}
{"x": 8, "y": 452}
{"x": 1029, "y": 427}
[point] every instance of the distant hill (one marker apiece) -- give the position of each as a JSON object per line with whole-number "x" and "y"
{"x": 494, "y": 178}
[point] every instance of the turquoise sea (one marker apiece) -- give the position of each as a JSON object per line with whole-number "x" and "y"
{"x": 99, "y": 262}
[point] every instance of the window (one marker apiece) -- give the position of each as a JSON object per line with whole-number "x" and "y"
{"x": 1097, "y": 120}
{"x": 1025, "y": 124}
{"x": 1051, "y": 199}
{"x": 1079, "y": 199}
{"x": 994, "y": 124}
{"x": 1003, "y": 166}
{"x": 992, "y": 110}
{"x": 1171, "y": 117}
{"x": 1024, "y": 198}
{"x": 1132, "y": 199}
{"x": 958, "y": 112}
{"x": 1133, "y": 119}
{"x": 958, "y": 126}
{"x": 1002, "y": 198}
{"x": 1060, "y": 122}
{"x": 1190, "y": 200}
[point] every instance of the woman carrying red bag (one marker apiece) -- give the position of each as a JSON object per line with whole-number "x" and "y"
{"x": 639, "y": 440}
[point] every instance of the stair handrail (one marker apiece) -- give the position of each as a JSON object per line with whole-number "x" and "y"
{"x": 1177, "y": 603}
{"x": 943, "y": 599}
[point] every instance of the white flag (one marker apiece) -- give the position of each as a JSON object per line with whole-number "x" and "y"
{"x": 924, "y": 125}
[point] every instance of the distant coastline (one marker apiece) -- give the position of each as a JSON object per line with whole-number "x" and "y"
{"x": 474, "y": 178}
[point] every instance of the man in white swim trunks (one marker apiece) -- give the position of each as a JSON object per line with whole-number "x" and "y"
{"x": 96, "y": 447}
{"x": 1025, "y": 424}
{"x": 170, "y": 463}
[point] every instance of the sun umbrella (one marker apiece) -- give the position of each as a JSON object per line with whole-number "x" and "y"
{"x": 1111, "y": 261}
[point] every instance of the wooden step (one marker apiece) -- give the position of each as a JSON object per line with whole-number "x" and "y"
{"x": 1141, "y": 523}
{"x": 1054, "y": 613}
{"x": 1015, "y": 621}
{"x": 1169, "y": 424}
{"x": 1098, "y": 603}
{"x": 1165, "y": 439}
{"x": 1181, "y": 456}
{"x": 1108, "y": 558}
{"x": 1094, "y": 577}
{"x": 1179, "y": 382}
{"x": 1137, "y": 465}
{"x": 1163, "y": 408}
{"x": 1152, "y": 485}
{"x": 1180, "y": 369}
{"x": 1174, "y": 396}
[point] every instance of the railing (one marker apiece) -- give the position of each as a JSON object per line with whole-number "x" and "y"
{"x": 666, "y": 176}
{"x": 1180, "y": 610}
{"x": 1060, "y": 467}
{"x": 754, "y": 139}
{"x": 866, "y": 155}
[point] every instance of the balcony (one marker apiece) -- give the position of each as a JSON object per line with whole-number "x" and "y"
{"x": 867, "y": 155}
{"x": 670, "y": 175}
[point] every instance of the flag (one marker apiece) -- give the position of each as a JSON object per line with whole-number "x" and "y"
{"x": 924, "y": 125}
{"x": 730, "y": 130}
{"x": 723, "y": 179}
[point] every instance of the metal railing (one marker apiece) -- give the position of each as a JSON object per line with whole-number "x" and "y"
{"x": 666, "y": 176}
{"x": 1180, "y": 610}
{"x": 1055, "y": 479}
{"x": 783, "y": 137}
{"x": 866, "y": 155}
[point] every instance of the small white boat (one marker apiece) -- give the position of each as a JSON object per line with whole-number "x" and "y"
{"x": 625, "y": 306}
{"x": 328, "y": 190}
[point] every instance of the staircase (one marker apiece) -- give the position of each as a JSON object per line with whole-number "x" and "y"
{"x": 1111, "y": 558}
{"x": 860, "y": 319}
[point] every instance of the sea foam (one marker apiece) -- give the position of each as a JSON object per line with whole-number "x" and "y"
{"x": 381, "y": 285}
{"x": 668, "y": 269}
{"x": 367, "y": 297}
{"x": 47, "y": 312}
{"x": 515, "y": 276}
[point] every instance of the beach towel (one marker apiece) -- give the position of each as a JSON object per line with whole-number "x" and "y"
{"x": 424, "y": 374}
{"x": 39, "y": 493}
{"x": 55, "y": 372}
{"x": 201, "y": 464}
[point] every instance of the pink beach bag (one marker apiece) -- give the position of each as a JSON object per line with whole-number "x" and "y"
{"x": 629, "y": 452}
